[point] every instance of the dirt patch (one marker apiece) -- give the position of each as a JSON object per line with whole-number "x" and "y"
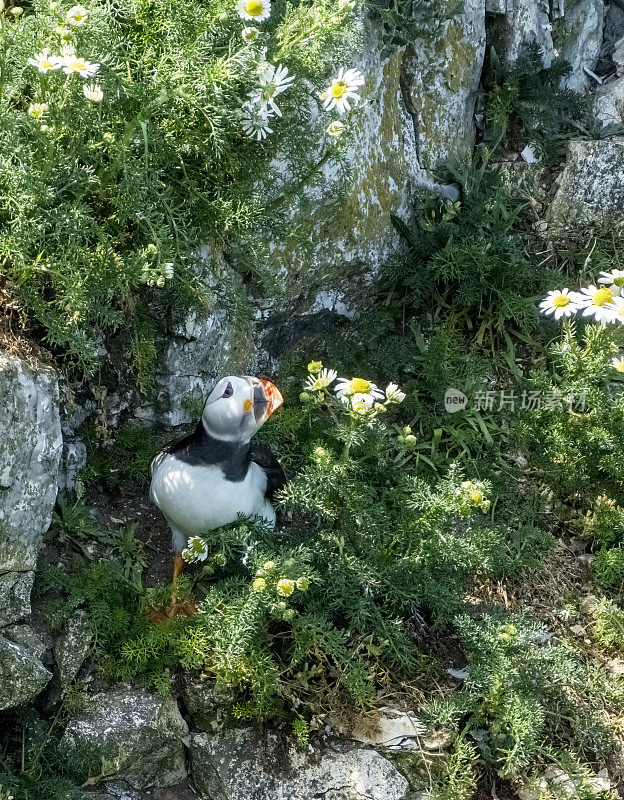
{"x": 130, "y": 505}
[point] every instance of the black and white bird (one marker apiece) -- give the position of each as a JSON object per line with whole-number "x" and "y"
{"x": 215, "y": 474}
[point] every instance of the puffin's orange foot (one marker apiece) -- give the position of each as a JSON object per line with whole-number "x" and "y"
{"x": 177, "y": 608}
{"x": 181, "y": 608}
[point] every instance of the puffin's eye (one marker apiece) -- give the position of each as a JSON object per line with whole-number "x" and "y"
{"x": 229, "y": 390}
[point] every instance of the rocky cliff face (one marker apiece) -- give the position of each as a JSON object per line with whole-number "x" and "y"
{"x": 30, "y": 453}
{"x": 418, "y": 112}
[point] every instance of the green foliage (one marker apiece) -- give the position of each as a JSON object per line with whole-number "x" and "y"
{"x": 31, "y": 765}
{"x": 127, "y": 457}
{"x": 468, "y": 264}
{"x": 574, "y": 437}
{"x": 526, "y": 103}
{"x": 608, "y": 625}
{"x": 402, "y": 21}
{"x": 74, "y": 525}
{"x": 522, "y": 692}
{"x": 99, "y": 236}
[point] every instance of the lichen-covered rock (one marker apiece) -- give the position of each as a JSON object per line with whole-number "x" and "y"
{"x": 22, "y": 675}
{"x": 25, "y": 636}
{"x": 71, "y": 648}
{"x": 30, "y": 451}
{"x": 577, "y": 37}
{"x": 609, "y": 103}
{"x": 198, "y": 350}
{"x": 207, "y": 706}
{"x": 130, "y": 735}
{"x": 591, "y": 187}
{"x": 521, "y": 22}
{"x": 241, "y": 765}
{"x": 441, "y": 74}
{"x": 385, "y": 171}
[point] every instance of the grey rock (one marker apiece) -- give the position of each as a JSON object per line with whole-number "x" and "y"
{"x": 30, "y": 452}
{"x": 241, "y": 765}
{"x": 26, "y": 637}
{"x": 129, "y": 735}
{"x": 198, "y": 350}
{"x": 577, "y": 36}
{"x": 438, "y": 739}
{"x": 206, "y": 705}
{"x": 442, "y": 72}
{"x": 591, "y": 187}
{"x": 72, "y": 647}
{"x": 73, "y": 460}
{"x": 612, "y": 33}
{"x": 22, "y": 675}
{"x": 618, "y": 57}
{"x": 524, "y": 22}
{"x": 15, "y": 590}
{"x": 608, "y": 103}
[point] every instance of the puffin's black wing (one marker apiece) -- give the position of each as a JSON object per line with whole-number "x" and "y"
{"x": 264, "y": 458}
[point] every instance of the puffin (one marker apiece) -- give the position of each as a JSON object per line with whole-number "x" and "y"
{"x": 215, "y": 474}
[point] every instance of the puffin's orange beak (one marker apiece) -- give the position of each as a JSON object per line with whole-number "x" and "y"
{"x": 272, "y": 395}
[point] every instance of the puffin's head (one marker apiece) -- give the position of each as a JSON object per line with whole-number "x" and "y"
{"x": 237, "y": 407}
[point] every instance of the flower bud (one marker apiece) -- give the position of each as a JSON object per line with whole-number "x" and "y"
{"x": 259, "y": 585}
{"x": 16, "y": 11}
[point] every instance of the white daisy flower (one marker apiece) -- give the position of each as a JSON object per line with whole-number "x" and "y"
{"x": 255, "y": 10}
{"x": 250, "y": 34}
{"x": 335, "y": 129}
{"x": 37, "y": 110}
{"x": 321, "y": 380}
{"x": 273, "y": 81}
{"x": 614, "y": 280}
{"x": 44, "y": 62}
{"x": 616, "y": 309}
{"x": 595, "y": 303}
{"x": 346, "y": 389}
{"x": 77, "y": 16}
{"x": 93, "y": 92}
{"x": 255, "y": 121}
{"x": 560, "y": 303}
{"x": 195, "y": 550}
{"x": 618, "y": 364}
{"x": 394, "y": 394}
{"x": 343, "y": 88}
{"x": 72, "y": 64}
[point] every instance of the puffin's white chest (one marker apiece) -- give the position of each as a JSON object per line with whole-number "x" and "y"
{"x": 196, "y": 499}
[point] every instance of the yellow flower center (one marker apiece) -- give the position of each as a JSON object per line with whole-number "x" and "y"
{"x": 476, "y": 496}
{"x": 46, "y": 63}
{"x": 77, "y": 66}
{"x": 602, "y": 297}
{"x": 561, "y": 300}
{"x": 339, "y": 89}
{"x": 619, "y": 365}
{"x": 254, "y": 8}
{"x": 359, "y": 386}
{"x": 619, "y": 281}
